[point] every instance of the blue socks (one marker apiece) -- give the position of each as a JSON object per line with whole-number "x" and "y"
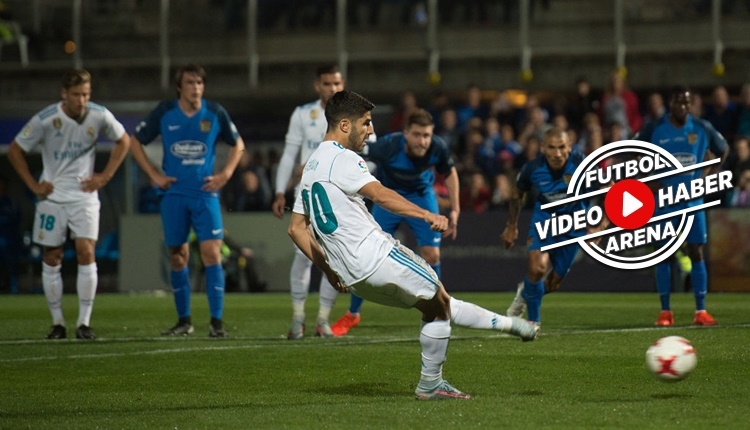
{"x": 436, "y": 268}
{"x": 533, "y": 293}
{"x": 215, "y": 290}
{"x": 699, "y": 278}
{"x": 664, "y": 283}
{"x": 355, "y": 304}
{"x": 181, "y": 290}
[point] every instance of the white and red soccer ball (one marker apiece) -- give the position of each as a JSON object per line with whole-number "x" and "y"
{"x": 671, "y": 358}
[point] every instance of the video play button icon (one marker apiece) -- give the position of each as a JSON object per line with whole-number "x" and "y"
{"x": 629, "y": 204}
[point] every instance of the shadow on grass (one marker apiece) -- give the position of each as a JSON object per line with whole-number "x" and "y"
{"x": 362, "y": 390}
{"x": 672, "y": 396}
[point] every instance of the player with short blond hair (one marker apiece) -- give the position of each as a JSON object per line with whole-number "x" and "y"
{"x": 67, "y": 134}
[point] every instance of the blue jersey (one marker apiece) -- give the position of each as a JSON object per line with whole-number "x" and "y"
{"x": 551, "y": 185}
{"x": 688, "y": 144}
{"x": 189, "y": 142}
{"x": 406, "y": 175}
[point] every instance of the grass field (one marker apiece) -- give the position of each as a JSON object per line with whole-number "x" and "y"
{"x": 586, "y": 370}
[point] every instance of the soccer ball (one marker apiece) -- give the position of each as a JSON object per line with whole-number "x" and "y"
{"x": 671, "y": 358}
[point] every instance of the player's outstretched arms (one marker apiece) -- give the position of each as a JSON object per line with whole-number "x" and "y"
{"x": 394, "y": 202}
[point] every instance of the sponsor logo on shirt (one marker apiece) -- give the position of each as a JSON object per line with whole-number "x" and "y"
{"x": 27, "y": 131}
{"x": 173, "y": 127}
{"x": 362, "y": 166}
{"x": 192, "y": 152}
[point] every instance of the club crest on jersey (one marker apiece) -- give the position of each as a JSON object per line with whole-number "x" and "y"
{"x": 205, "y": 126}
{"x": 692, "y": 138}
{"x": 57, "y": 123}
{"x": 567, "y": 178}
{"x": 314, "y": 114}
{"x": 90, "y": 131}
{"x": 362, "y": 166}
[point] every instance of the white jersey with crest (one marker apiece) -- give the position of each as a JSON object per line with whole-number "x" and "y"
{"x": 354, "y": 244}
{"x": 68, "y": 148}
{"x": 307, "y": 127}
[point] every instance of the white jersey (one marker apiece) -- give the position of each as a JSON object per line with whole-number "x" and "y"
{"x": 307, "y": 127}
{"x": 68, "y": 148}
{"x": 354, "y": 244}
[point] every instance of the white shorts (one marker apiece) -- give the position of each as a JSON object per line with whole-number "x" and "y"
{"x": 403, "y": 279}
{"x": 52, "y": 221}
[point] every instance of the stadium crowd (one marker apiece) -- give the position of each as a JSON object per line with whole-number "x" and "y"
{"x": 493, "y": 133}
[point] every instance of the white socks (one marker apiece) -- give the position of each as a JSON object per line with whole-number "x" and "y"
{"x": 53, "y": 290}
{"x": 328, "y": 296}
{"x": 434, "y": 338}
{"x": 88, "y": 279}
{"x": 299, "y": 280}
{"x": 469, "y": 315}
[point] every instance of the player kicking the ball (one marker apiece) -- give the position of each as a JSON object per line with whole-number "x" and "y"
{"x": 355, "y": 254}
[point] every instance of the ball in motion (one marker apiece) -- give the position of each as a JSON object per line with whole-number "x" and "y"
{"x": 671, "y": 358}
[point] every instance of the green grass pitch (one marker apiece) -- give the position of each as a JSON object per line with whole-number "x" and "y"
{"x": 587, "y": 370}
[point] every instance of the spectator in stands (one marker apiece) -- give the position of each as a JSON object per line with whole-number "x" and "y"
{"x": 739, "y": 157}
{"x": 475, "y": 194}
{"x": 472, "y": 107}
{"x": 449, "y": 129}
{"x": 697, "y": 109}
{"x": 584, "y": 101}
{"x": 407, "y": 105}
{"x": 656, "y": 108}
{"x": 620, "y": 105}
{"x": 739, "y": 196}
{"x": 248, "y": 189}
{"x": 536, "y": 125}
{"x": 743, "y": 121}
{"x": 722, "y": 113}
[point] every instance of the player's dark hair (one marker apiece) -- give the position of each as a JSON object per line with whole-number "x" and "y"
{"x": 419, "y": 117}
{"x": 677, "y": 90}
{"x": 326, "y": 69}
{"x": 188, "y": 68}
{"x": 346, "y": 104}
{"x": 75, "y": 77}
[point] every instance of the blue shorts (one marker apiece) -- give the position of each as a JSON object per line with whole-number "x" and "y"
{"x": 425, "y": 235}
{"x": 179, "y": 213}
{"x": 562, "y": 257}
{"x": 698, "y": 233}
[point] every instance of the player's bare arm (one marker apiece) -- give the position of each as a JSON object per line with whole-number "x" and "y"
{"x": 451, "y": 182}
{"x": 116, "y": 157}
{"x": 299, "y": 231}
{"x": 217, "y": 181}
{"x": 510, "y": 234}
{"x": 17, "y": 158}
{"x": 161, "y": 180}
{"x": 391, "y": 200}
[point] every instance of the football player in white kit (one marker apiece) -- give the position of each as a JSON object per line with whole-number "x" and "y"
{"x": 67, "y": 133}
{"x": 355, "y": 254}
{"x": 307, "y": 126}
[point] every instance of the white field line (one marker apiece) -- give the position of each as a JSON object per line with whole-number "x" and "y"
{"x": 279, "y": 343}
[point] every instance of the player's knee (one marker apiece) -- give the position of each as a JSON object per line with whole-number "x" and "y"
{"x": 431, "y": 255}
{"x": 696, "y": 252}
